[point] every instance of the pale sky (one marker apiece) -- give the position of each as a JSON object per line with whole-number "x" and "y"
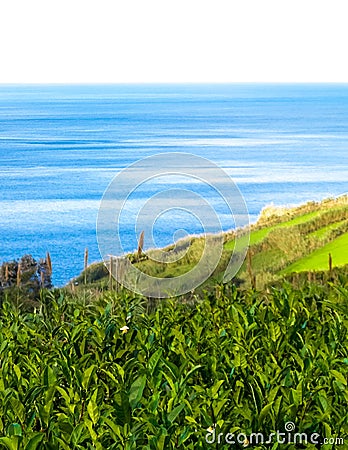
{"x": 112, "y": 41}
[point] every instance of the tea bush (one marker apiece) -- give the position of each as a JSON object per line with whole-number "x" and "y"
{"x": 106, "y": 373}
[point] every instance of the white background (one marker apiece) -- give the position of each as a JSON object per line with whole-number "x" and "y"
{"x": 85, "y": 41}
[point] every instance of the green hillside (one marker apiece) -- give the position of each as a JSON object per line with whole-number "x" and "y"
{"x": 259, "y": 235}
{"x": 282, "y": 241}
{"x": 285, "y": 241}
{"x": 318, "y": 260}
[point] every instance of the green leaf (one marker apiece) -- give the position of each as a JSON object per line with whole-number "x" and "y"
{"x": 298, "y": 359}
{"x": 2, "y": 384}
{"x": 62, "y": 444}
{"x": 17, "y": 371}
{"x": 116, "y": 429}
{"x": 218, "y": 406}
{"x": 120, "y": 371}
{"x": 339, "y": 377}
{"x": 297, "y": 394}
{"x": 191, "y": 420}
{"x": 49, "y": 377}
{"x": 122, "y": 409}
{"x": 216, "y": 387}
{"x": 264, "y": 412}
{"x": 18, "y": 409}
{"x": 323, "y": 403}
{"x": 87, "y": 374}
{"x": 327, "y": 430}
{"x": 272, "y": 394}
{"x": 153, "y": 361}
{"x": 190, "y": 372}
{"x": 175, "y": 412}
{"x": 111, "y": 376}
{"x": 161, "y": 440}
{"x": 170, "y": 382}
{"x": 15, "y": 429}
{"x": 93, "y": 434}
{"x": 184, "y": 436}
{"x": 77, "y": 436}
{"x": 136, "y": 391}
{"x": 49, "y": 395}
{"x": 34, "y": 441}
{"x": 93, "y": 410}
{"x": 277, "y": 405}
{"x": 64, "y": 394}
{"x": 11, "y": 443}
{"x": 153, "y": 404}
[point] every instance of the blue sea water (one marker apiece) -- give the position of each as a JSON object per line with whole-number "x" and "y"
{"x": 61, "y": 146}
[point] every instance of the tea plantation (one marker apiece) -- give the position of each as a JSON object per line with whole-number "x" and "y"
{"x": 115, "y": 372}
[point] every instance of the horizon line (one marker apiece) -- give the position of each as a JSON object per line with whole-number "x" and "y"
{"x": 168, "y": 83}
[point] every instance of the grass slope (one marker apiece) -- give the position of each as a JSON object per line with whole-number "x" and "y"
{"x": 282, "y": 241}
{"x": 259, "y": 235}
{"x": 318, "y": 260}
{"x": 322, "y": 232}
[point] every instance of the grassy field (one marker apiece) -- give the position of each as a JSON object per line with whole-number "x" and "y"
{"x": 259, "y": 235}
{"x": 322, "y": 232}
{"x": 279, "y": 245}
{"x": 318, "y": 260}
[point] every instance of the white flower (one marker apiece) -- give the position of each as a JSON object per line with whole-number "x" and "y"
{"x": 124, "y": 329}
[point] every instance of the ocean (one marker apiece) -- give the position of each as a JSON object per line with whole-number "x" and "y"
{"x": 61, "y": 146}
